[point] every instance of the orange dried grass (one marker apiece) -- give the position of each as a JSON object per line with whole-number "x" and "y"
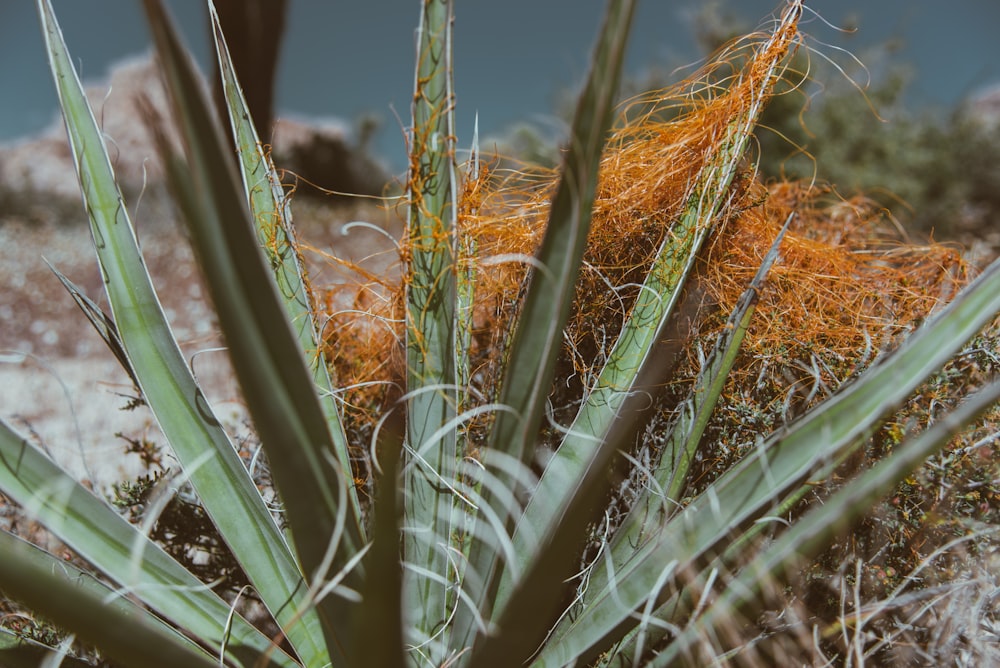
{"x": 647, "y": 175}
{"x": 843, "y": 282}
{"x": 846, "y": 279}
{"x": 361, "y": 335}
{"x": 847, "y": 285}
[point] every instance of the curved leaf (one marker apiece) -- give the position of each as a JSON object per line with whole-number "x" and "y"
{"x": 271, "y": 370}
{"x": 272, "y": 215}
{"x": 659, "y": 294}
{"x": 537, "y": 339}
{"x": 72, "y": 599}
{"x": 780, "y": 463}
{"x": 92, "y": 529}
{"x": 181, "y": 409}
{"x": 431, "y": 329}
{"x": 817, "y": 528}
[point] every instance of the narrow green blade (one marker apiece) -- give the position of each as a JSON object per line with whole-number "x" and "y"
{"x": 92, "y": 529}
{"x": 537, "y": 341}
{"x": 194, "y": 432}
{"x": 272, "y": 216}
{"x": 17, "y": 652}
{"x": 379, "y": 623}
{"x": 686, "y": 432}
{"x": 781, "y": 463}
{"x": 103, "y": 323}
{"x": 814, "y": 531}
{"x": 676, "y": 610}
{"x": 431, "y": 332}
{"x": 75, "y": 600}
{"x": 269, "y": 365}
{"x": 466, "y": 287}
{"x": 654, "y": 304}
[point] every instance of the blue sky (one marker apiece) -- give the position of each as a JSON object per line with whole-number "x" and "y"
{"x": 343, "y": 59}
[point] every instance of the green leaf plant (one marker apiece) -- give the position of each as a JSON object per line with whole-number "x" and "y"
{"x": 489, "y": 539}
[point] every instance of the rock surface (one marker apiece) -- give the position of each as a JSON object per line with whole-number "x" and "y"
{"x": 59, "y": 385}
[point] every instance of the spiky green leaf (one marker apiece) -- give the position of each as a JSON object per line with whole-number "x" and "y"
{"x": 73, "y": 599}
{"x": 654, "y": 303}
{"x": 271, "y": 211}
{"x": 815, "y": 530}
{"x": 432, "y": 355}
{"x": 269, "y": 365}
{"x": 537, "y": 339}
{"x": 778, "y": 465}
{"x": 181, "y": 409}
{"x": 94, "y": 531}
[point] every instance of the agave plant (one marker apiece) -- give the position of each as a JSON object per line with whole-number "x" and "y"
{"x": 469, "y": 551}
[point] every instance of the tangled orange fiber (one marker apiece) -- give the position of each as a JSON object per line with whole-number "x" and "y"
{"x": 845, "y": 283}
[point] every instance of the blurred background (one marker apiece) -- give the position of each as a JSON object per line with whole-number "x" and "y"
{"x": 931, "y": 73}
